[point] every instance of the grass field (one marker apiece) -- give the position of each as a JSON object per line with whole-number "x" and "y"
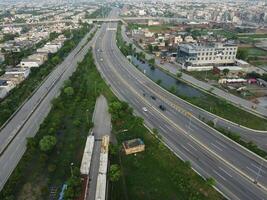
{"x": 253, "y": 51}
{"x": 155, "y": 173}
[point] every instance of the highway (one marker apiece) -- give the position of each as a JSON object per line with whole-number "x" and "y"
{"x": 27, "y": 119}
{"x": 258, "y": 137}
{"x": 210, "y": 153}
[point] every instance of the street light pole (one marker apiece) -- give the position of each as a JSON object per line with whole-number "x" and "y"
{"x": 87, "y": 110}
{"x": 71, "y": 170}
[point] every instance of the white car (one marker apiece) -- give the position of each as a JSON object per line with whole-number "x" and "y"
{"x": 144, "y": 109}
{"x": 101, "y": 59}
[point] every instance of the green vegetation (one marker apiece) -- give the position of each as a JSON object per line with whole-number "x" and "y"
{"x": 236, "y": 137}
{"x": 74, "y": 188}
{"x": 204, "y": 75}
{"x": 253, "y": 51}
{"x": 25, "y": 89}
{"x": 114, "y": 173}
{"x": 67, "y": 122}
{"x": 8, "y": 37}
{"x": 47, "y": 143}
{"x": 155, "y": 173}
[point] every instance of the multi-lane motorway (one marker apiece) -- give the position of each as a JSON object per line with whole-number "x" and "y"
{"x": 25, "y": 122}
{"x": 210, "y": 153}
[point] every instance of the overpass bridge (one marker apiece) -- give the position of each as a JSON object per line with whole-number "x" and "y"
{"x": 122, "y": 19}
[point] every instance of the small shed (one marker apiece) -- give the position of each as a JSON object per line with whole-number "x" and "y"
{"x": 133, "y": 146}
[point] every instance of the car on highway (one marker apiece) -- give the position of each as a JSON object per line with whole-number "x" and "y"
{"x": 144, "y": 109}
{"x": 153, "y": 97}
{"x": 162, "y": 107}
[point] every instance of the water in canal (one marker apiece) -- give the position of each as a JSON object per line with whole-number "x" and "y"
{"x": 167, "y": 81}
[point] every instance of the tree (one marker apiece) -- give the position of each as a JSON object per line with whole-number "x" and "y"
{"x": 55, "y": 60}
{"x": 151, "y": 61}
{"x": 211, "y": 181}
{"x": 242, "y": 54}
{"x": 114, "y": 173}
{"x": 159, "y": 81}
{"x": 172, "y": 89}
{"x": 179, "y": 74}
{"x": 32, "y": 143}
{"x": 150, "y": 48}
{"x": 74, "y": 186}
{"x": 47, "y": 143}
{"x": 226, "y": 71}
{"x": 156, "y": 48}
{"x": 69, "y": 91}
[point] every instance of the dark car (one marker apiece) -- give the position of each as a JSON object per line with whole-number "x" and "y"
{"x": 153, "y": 97}
{"x": 162, "y": 107}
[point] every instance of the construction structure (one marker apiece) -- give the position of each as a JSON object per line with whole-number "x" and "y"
{"x": 87, "y": 155}
{"x": 102, "y": 173}
{"x": 133, "y": 146}
{"x": 86, "y": 164}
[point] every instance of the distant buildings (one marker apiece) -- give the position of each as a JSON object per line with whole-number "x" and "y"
{"x": 203, "y": 57}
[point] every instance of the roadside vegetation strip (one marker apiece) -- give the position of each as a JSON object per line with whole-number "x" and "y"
{"x": 236, "y": 137}
{"x": 208, "y": 102}
{"x": 155, "y": 173}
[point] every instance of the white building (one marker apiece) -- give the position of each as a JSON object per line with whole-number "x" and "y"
{"x": 142, "y": 12}
{"x": 189, "y": 39}
{"x": 199, "y": 57}
{"x": 17, "y": 71}
{"x": 29, "y": 63}
{"x": 178, "y": 39}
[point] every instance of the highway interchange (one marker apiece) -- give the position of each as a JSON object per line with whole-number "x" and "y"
{"x": 26, "y": 120}
{"x": 210, "y": 153}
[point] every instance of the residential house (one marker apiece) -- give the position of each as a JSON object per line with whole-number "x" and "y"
{"x": 29, "y": 63}
{"x": 17, "y": 71}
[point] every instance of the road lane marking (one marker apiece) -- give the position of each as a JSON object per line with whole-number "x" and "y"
{"x": 216, "y": 147}
{"x": 185, "y": 148}
{"x": 225, "y": 172}
{"x": 218, "y": 174}
{"x": 191, "y": 146}
{"x": 258, "y": 167}
{"x": 254, "y": 171}
{"x": 222, "y": 145}
{"x": 168, "y": 128}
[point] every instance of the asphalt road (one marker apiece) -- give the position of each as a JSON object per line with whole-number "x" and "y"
{"x": 258, "y": 137}
{"x": 102, "y": 126}
{"x": 210, "y": 153}
{"x": 26, "y": 121}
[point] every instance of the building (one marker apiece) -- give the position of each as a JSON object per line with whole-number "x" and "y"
{"x": 205, "y": 57}
{"x": 133, "y": 146}
{"x": 7, "y": 85}
{"x": 29, "y": 63}
{"x": 17, "y": 71}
